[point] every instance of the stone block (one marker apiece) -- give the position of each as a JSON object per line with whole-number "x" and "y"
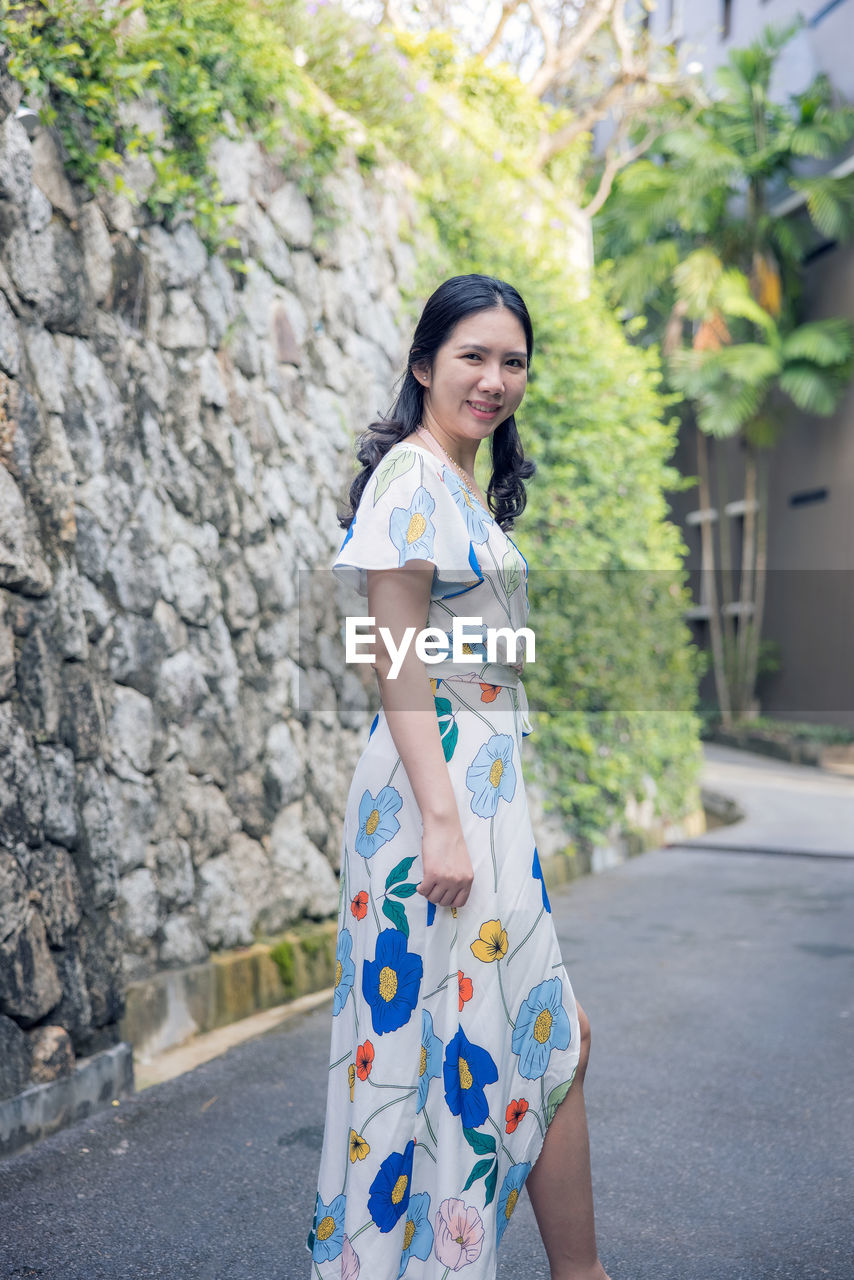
{"x": 52, "y": 1053}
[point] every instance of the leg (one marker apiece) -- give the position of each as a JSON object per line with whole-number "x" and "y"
{"x": 560, "y": 1186}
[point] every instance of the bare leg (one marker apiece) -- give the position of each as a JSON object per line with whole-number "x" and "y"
{"x": 560, "y": 1185}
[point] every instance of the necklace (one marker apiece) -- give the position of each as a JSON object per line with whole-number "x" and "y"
{"x": 462, "y": 474}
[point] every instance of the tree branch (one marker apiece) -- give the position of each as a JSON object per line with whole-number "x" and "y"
{"x": 596, "y": 111}
{"x": 594, "y": 15}
{"x": 508, "y": 8}
{"x": 616, "y": 160}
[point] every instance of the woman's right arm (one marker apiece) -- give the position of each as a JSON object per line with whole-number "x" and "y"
{"x": 397, "y": 599}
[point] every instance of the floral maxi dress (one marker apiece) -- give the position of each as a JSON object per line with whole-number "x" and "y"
{"x": 454, "y": 1032}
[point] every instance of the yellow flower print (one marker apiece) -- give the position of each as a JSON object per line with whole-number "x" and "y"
{"x": 359, "y": 1146}
{"x": 351, "y": 1076}
{"x": 492, "y": 943}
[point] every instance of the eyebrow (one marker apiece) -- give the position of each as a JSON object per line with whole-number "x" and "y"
{"x": 474, "y": 346}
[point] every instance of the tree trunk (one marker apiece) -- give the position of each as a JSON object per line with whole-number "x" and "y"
{"x": 707, "y": 571}
{"x": 747, "y": 587}
{"x": 727, "y": 592}
{"x": 752, "y": 663}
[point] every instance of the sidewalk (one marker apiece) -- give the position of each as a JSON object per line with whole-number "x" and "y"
{"x": 789, "y": 808}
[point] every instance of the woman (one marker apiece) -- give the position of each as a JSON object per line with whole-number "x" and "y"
{"x": 458, "y": 1049}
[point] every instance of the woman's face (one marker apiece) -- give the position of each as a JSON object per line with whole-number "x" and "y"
{"x": 479, "y": 375}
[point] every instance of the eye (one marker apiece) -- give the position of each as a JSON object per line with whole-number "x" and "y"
{"x": 516, "y": 362}
{"x": 473, "y": 355}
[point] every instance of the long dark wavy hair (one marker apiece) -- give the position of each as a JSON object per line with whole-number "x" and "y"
{"x": 457, "y": 298}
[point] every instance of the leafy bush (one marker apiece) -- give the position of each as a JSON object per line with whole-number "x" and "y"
{"x": 216, "y": 68}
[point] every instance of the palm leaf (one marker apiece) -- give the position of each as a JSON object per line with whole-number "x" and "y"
{"x": 812, "y": 389}
{"x": 830, "y": 202}
{"x": 695, "y": 278}
{"x": 750, "y": 363}
{"x": 734, "y": 298}
{"x": 823, "y": 342}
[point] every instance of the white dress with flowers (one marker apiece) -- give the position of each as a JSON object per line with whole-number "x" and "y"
{"x": 454, "y": 1033}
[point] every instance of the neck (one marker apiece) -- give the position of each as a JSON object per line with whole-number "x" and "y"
{"x": 461, "y": 449}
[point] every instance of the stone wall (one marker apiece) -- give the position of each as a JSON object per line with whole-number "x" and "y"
{"x": 175, "y": 437}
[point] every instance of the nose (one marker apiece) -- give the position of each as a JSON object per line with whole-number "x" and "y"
{"x": 491, "y": 378}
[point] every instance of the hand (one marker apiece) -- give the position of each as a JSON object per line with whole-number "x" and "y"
{"x": 447, "y": 871}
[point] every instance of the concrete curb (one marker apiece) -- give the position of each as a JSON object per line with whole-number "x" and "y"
{"x": 39, "y": 1111}
{"x": 167, "y": 1009}
{"x": 835, "y": 757}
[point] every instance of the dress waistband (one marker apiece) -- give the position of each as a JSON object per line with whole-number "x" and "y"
{"x": 477, "y": 672}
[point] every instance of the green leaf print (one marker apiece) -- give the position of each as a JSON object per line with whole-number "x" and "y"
{"x": 390, "y": 468}
{"x": 511, "y": 569}
{"x": 403, "y": 890}
{"x": 397, "y": 915}
{"x": 490, "y": 1184}
{"x": 448, "y": 729}
{"x": 556, "y": 1097}
{"x": 479, "y": 1171}
{"x": 398, "y": 873}
{"x": 479, "y": 1142}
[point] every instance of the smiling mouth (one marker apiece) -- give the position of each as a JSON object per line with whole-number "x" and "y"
{"x": 483, "y": 408}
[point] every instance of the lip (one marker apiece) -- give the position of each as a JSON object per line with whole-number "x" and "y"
{"x": 483, "y": 409}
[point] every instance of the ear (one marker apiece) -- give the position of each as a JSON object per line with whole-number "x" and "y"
{"x": 421, "y": 373}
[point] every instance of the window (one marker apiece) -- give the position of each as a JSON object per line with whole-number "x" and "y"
{"x": 726, "y": 20}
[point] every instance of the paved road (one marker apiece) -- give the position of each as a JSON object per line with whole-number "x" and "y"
{"x": 719, "y": 987}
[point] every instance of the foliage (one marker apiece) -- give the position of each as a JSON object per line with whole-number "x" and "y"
{"x": 695, "y": 244}
{"x": 615, "y": 674}
{"x": 216, "y": 69}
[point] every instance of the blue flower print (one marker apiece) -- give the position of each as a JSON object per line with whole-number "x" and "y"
{"x": 391, "y": 981}
{"x": 477, "y": 520}
{"x": 431, "y": 913}
{"x": 537, "y": 873}
{"x": 431, "y": 1057}
{"x": 468, "y": 1069}
{"x": 350, "y": 531}
{"x": 511, "y": 1189}
{"x": 491, "y": 775}
{"x": 417, "y": 1234}
{"x": 377, "y": 823}
{"x": 411, "y": 529}
{"x": 328, "y": 1229}
{"x": 542, "y": 1024}
{"x": 389, "y": 1197}
{"x": 345, "y": 970}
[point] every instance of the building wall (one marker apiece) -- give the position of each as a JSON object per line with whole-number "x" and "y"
{"x": 698, "y": 29}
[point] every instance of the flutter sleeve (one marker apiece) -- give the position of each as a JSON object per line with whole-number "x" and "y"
{"x": 409, "y": 511}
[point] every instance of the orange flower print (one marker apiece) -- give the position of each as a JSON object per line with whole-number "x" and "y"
{"x": 359, "y": 905}
{"x": 466, "y": 988}
{"x": 515, "y": 1112}
{"x": 364, "y": 1060}
{"x": 489, "y": 692}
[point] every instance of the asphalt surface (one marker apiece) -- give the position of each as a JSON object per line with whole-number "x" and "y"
{"x": 720, "y": 989}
